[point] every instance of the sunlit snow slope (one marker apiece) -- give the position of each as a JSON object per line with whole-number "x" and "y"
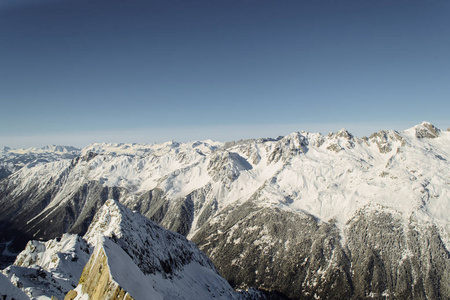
{"x": 318, "y": 203}
{"x": 122, "y": 256}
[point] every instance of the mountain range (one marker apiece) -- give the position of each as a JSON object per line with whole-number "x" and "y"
{"x": 304, "y": 216}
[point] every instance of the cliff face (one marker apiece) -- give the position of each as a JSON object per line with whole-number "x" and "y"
{"x": 147, "y": 261}
{"x": 308, "y": 215}
{"x": 123, "y": 255}
{"x": 96, "y": 281}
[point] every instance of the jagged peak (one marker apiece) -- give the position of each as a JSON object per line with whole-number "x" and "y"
{"x": 287, "y": 147}
{"x": 424, "y": 130}
{"x": 295, "y": 139}
{"x": 149, "y": 245}
{"x": 343, "y": 133}
{"x": 384, "y": 135}
{"x": 106, "y": 221}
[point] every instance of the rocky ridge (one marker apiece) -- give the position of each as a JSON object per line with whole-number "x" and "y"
{"x": 122, "y": 256}
{"x": 306, "y": 202}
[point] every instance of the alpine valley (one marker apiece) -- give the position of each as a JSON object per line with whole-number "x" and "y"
{"x": 304, "y": 216}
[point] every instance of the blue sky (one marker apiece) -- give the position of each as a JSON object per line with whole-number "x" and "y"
{"x": 77, "y": 72}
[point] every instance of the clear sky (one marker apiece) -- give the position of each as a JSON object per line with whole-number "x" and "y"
{"x": 75, "y": 71}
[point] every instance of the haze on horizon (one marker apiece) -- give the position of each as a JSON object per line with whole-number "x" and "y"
{"x": 77, "y": 72}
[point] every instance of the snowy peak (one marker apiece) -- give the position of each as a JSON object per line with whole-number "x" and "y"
{"x": 141, "y": 260}
{"x": 131, "y": 258}
{"x": 12, "y": 160}
{"x": 385, "y": 140}
{"x": 226, "y": 166}
{"x": 112, "y": 274}
{"x": 289, "y": 146}
{"x": 52, "y": 268}
{"x": 53, "y": 254}
{"x": 343, "y": 133}
{"x": 150, "y": 246}
{"x": 5, "y": 149}
{"x": 426, "y": 130}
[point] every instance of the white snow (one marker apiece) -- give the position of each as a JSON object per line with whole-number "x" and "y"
{"x": 9, "y": 292}
{"x": 329, "y": 176}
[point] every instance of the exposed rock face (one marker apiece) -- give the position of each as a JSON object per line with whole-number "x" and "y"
{"x": 96, "y": 280}
{"x": 385, "y": 139}
{"x": 234, "y": 198}
{"x": 132, "y": 258}
{"x": 289, "y": 146}
{"x": 426, "y": 130}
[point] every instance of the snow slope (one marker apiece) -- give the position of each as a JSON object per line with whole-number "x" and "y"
{"x": 49, "y": 269}
{"x": 8, "y": 291}
{"x": 191, "y": 188}
{"x": 12, "y": 160}
{"x": 131, "y": 255}
{"x": 165, "y": 262}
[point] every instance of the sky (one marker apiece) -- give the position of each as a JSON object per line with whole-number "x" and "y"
{"x": 75, "y": 72}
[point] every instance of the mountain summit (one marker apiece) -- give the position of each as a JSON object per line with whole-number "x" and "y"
{"x": 130, "y": 258}
{"x": 307, "y": 215}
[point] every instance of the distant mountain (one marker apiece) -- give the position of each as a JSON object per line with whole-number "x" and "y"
{"x": 12, "y": 160}
{"x": 123, "y": 256}
{"x": 308, "y": 215}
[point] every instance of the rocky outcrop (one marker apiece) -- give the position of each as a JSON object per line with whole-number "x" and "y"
{"x": 287, "y": 147}
{"x": 256, "y": 191}
{"x": 226, "y": 166}
{"x": 49, "y": 269}
{"x": 132, "y": 258}
{"x": 426, "y": 130}
{"x": 97, "y": 281}
{"x": 385, "y": 140}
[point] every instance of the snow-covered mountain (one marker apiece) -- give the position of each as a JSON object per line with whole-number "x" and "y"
{"x": 12, "y": 160}
{"x": 122, "y": 256}
{"x": 309, "y": 215}
{"x": 52, "y": 268}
